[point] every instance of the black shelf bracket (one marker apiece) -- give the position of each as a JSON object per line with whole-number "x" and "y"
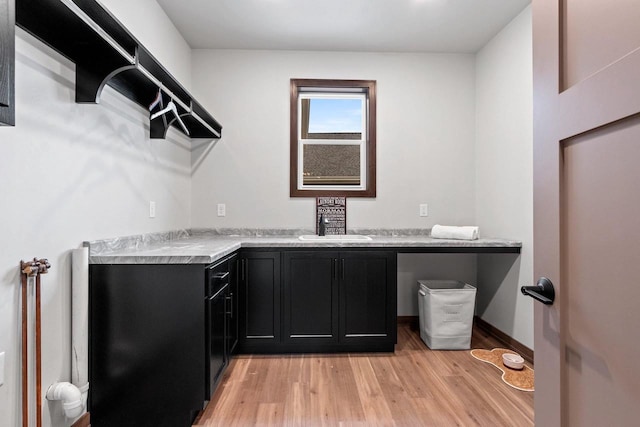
{"x": 91, "y": 78}
{"x": 159, "y": 127}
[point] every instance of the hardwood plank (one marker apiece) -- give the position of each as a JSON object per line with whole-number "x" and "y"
{"x": 373, "y": 401}
{"x": 414, "y": 386}
{"x": 348, "y": 410}
{"x": 271, "y": 414}
{"x": 296, "y": 404}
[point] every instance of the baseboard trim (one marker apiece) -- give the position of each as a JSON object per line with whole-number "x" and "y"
{"x": 412, "y": 321}
{"x": 408, "y": 319}
{"x": 505, "y": 339}
{"x": 83, "y": 421}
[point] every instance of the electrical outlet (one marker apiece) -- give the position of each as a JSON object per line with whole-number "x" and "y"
{"x": 222, "y": 209}
{"x": 424, "y": 210}
{"x": 152, "y": 209}
{"x": 1, "y": 369}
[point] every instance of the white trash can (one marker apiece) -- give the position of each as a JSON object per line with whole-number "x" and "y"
{"x": 446, "y": 313}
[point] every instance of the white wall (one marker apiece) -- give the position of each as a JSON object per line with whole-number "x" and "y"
{"x": 425, "y": 137}
{"x": 414, "y": 267}
{"x": 148, "y": 23}
{"x": 504, "y": 175}
{"x": 68, "y": 173}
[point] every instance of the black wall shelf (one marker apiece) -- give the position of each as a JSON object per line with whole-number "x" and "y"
{"x": 106, "y": 53}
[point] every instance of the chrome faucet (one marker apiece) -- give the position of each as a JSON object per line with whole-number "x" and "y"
{"x": 322, "y": 225}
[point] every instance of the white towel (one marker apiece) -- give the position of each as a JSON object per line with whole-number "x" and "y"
{"x": 452, "y": 232}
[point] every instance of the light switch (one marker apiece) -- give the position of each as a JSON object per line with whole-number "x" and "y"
{"x": 222, "y": 209}
{"x": 424, "y": 209}
{"x": 152, "y": 209}
{"x": 1, "y": 369}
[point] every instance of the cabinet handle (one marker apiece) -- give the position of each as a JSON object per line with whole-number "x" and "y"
{"x": 230, "y": 299}
{"x": 334, "y": 265}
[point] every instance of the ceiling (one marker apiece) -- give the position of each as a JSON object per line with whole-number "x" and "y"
{"x": 460, "y": 26}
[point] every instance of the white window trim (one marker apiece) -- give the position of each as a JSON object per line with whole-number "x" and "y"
{"x": 362, "y": 142}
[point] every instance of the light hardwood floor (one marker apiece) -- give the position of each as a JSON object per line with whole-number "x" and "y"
{"x": 412, "y": 387}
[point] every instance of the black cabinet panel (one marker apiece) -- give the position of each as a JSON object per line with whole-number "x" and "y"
{"x": 232, "y": 306}
{"x": 7, "y": 62}
{"x": 216, "y": 336}
{"x": 368, "y": 297}
{"x": 146, "y": 344}
{"x": 310, "y": 285}
{"x": 331, "y": 301}
{"x": 221, "y": 319}
{"x": 260, "y": 297}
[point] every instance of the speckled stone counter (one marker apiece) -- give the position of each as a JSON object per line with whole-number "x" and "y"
{"x": 203, "y": 246}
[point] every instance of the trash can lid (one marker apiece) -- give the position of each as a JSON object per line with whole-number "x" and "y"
{"x": 443, "y": 284}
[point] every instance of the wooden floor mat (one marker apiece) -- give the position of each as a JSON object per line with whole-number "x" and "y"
{"x": 521, "y": 380}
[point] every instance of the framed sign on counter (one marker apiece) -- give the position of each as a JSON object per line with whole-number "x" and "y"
{"x": 333, "y": 210}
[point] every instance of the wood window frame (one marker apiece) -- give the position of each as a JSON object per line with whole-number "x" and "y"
{"x": 369, "y": 87}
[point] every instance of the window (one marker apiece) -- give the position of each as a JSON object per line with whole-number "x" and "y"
{"x": 333, "y": 138}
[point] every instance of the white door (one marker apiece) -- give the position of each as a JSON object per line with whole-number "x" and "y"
{"x": 587, "y": 211}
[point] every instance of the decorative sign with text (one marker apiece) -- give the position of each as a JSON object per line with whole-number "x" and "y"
{"x": 333, "y": 209}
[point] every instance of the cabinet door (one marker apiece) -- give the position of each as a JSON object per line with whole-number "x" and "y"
{"x": 260, "y": 299}
{"x": 368, "y": 297}
{"x": 232, "y": 305}
{"x": 310, "y": 286}
{"x": 146, "y": 331}
{"x": 216, "y": 311}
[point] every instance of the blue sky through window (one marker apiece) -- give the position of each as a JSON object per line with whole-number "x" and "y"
{"x": 333, "y": 115}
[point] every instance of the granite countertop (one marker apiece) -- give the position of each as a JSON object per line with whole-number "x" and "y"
{"x": 203, "y": 246}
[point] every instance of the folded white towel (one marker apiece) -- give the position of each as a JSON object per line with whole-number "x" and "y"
{"x": 452, "y": 232}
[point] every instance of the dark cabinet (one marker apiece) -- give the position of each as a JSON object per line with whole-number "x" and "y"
{"x": 216, "y": 341}
{"x": 339, "y": 301}
{"x": 7, "y": 62}
{"x": 330, "y": 301}
{"x": 310, "y": 297}
{"x": 221, "y": 312}
{"x": 259, "y": 305}
{"x": 146, "y": 344}
{"x": 368, "y": 295}
{"x": 232, "y": 310}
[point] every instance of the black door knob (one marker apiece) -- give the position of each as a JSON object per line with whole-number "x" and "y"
{"x": 543, "y": 291}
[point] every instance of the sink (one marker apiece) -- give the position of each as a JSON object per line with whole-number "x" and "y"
{"x": 336, "y": 237}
